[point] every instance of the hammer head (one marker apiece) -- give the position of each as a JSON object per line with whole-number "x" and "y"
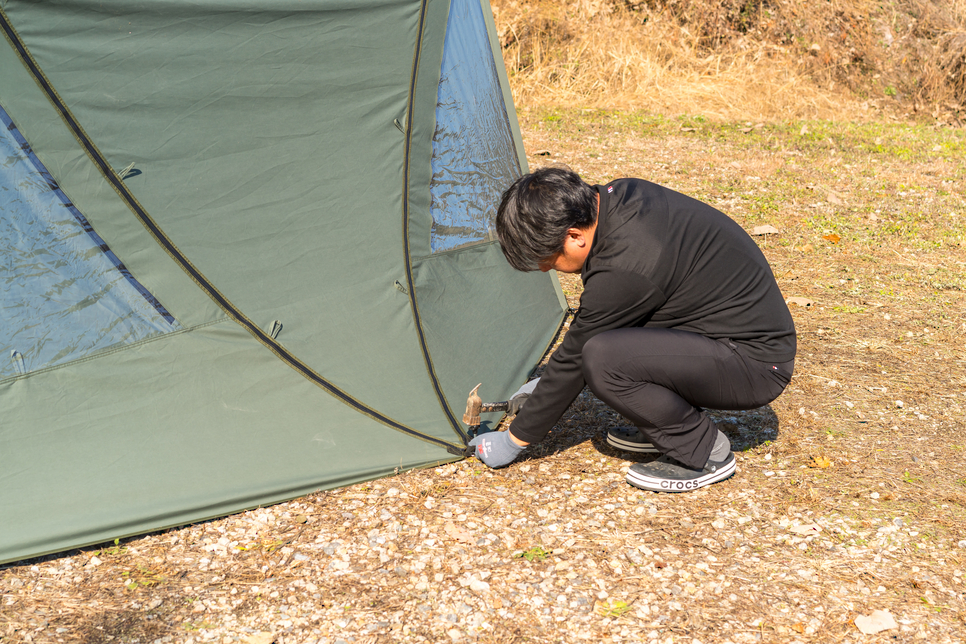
{"x": 473, "y": 406}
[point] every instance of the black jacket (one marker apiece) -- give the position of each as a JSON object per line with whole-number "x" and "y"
{"x": 662, "y": 259}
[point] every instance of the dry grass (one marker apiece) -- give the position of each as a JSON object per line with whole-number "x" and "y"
{"x": 557, "y": 547}
{"x": 739, "y": 59}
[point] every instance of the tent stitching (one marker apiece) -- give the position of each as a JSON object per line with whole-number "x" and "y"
{"x": 168, "y": 245}
{"x": 407, "y": 159}
{"x": 111, "y": 350}
{"x": 79, "y": 217}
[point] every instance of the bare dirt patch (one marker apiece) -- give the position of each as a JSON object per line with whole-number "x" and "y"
{"x": 850, "y": 495}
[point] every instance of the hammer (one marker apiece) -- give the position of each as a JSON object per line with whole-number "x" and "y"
{"x": 475, "y": 406}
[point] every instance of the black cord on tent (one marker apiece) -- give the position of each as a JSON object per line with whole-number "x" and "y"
{"x": 116, "y": 181}
{"x": 569, "y": 315}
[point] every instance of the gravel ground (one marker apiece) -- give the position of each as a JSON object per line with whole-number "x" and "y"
{"x": 849, "y": 499}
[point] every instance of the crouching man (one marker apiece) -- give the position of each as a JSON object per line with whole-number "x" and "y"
{"x": 680, "y": 312}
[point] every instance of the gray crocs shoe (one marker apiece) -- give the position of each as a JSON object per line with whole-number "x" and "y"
{"x": 630, "y": 439}
{"x": 667, "y": 475}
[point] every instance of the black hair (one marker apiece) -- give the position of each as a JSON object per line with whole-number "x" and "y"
{"x": 536, "y": 212}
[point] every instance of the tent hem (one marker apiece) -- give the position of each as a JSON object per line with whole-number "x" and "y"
{"x": 283, "y": 497}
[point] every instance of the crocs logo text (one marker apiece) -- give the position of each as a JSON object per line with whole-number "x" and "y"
{"x": 678, "y": 485}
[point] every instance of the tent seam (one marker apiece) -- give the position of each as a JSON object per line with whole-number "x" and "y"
{"x": 407, "y": 160}
{"x": 181, "y": 260}
{"x": 112, "y": 350}
{"x": 454, "y": 251}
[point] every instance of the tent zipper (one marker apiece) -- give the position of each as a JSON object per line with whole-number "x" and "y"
{"x": 407, "y": 159}
{"x": 161, "y": 238}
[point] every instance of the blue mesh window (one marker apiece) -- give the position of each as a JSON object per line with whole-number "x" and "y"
{"x": 474, "y": 157}
{"x": 63, "y": 293}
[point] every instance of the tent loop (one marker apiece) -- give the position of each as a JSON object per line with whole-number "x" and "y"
{"x": 274, "y": 328}
{"x": 399, "y": 126}
{"x": 18, "y": 361}
{"x": 129, "y": 171}
{"x": 400, "y": 287}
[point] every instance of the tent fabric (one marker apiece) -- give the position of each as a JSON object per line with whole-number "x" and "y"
{"x": 280, "y": 211}
{"x": 473, "y": 161}
{"x": 66, "y": 294}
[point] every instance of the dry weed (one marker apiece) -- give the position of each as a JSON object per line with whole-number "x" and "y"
{"x": 750, "y": 59}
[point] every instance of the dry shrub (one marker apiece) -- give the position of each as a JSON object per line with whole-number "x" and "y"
{"x": 755, "y": 59}
{"x": 936, "y": 60}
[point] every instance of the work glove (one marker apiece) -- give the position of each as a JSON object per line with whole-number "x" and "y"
{"x": 496, "y": 449}
{"x": 521, "y": 396}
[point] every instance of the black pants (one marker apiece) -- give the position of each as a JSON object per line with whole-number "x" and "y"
{"x": 657, "y": 377}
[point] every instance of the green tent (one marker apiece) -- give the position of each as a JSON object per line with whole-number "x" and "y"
{"x": 247, "y": 254}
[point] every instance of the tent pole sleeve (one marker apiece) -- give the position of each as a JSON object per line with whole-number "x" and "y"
{"x": 168, "y": 245}
{"x": 407, "y": 161}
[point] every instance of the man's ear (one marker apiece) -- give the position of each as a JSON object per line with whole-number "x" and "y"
{"x": 577, "y": 236}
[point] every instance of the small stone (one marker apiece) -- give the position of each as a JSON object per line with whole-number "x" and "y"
{"x": 478, "y": 586}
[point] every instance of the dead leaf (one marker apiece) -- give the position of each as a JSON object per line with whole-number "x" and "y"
{"x": 688, "y": 129}
{"x": 746, "y": 130}
{"x": 820, "y": 462}
{"x": 878, "y": 621}
{"x": 543, "y": 153}
{"x": 832, "y": 238}
{"x": 765, "y": 230}
{"x": 834, "y": 199}
{"x": 807, "y": 248}
{"x": 458, "y": 533}
{"x": 799, "y": 628}
{"x": 800, "y": 301}
{"x": 807, "y": 529}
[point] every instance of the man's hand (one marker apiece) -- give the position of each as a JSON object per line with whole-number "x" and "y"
{"x": 496, "y": 449}
{"x": 521, "y": 396}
